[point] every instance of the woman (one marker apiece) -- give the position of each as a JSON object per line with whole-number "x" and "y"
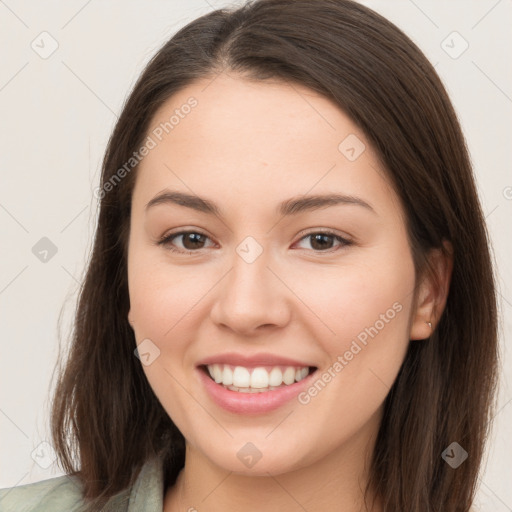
{"x": 290, "y": 303}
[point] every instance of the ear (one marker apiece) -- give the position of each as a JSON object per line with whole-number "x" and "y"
{"x": 130, "y": 321}
{"x": 432, "y": 292}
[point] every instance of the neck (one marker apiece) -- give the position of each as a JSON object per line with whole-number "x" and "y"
{"x": 335, "y": 482}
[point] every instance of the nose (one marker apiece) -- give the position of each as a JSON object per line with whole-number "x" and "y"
{"x": 251, "y": 298}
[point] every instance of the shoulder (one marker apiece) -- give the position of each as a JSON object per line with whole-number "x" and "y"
{"x": 62, "y": 493}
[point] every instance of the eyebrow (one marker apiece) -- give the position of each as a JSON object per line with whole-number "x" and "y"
{"x": 292, "y": 206}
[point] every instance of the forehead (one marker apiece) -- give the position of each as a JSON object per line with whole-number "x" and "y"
{"x": 259, "y": 141}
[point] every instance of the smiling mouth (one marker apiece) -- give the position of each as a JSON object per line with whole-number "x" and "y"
{"x": 259, "y": 379}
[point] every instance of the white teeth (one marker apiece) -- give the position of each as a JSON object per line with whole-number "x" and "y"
{"x": 227, "y": 376}
{"x": 241, "y": 377}
{"x": 275, "y": 377}
{"x": 289, "y": 375}
{"x": 253, "y": 380}
{"x": 217, "y": 373}
{"x": 259, "y": 378}
{"x": 249, "y": 390}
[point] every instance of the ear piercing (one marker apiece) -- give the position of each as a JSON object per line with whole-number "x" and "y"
{"x": 429, "y": 324}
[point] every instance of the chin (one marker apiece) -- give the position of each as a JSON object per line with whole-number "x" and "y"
{"x": 246, "y": 459}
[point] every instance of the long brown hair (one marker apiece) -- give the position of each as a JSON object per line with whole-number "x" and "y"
{"x": 107, "y": 421}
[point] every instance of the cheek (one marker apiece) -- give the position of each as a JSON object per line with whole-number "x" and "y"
{"x": 356, "y": 301}
{"x": 367, "y": 311}
{"x": 161, "y": 296}
{"x": 164, "y": 304}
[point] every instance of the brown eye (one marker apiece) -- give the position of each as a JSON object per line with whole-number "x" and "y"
{"x": 323, "y": 241}
{"x": 192, "y": 241}
{"x": 320, "y": 241}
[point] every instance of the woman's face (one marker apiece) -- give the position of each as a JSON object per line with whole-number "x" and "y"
{"x": 275, "y": 283}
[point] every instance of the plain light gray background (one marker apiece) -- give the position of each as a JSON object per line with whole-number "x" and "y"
{"x": 57, "y": 112}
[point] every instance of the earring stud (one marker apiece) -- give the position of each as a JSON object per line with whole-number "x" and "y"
{"x": 429, "y": 324}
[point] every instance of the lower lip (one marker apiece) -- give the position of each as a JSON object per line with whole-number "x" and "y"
{"x": 252, "y": 403}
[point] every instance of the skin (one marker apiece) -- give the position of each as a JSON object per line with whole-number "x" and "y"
{"x": 247, "y": 146}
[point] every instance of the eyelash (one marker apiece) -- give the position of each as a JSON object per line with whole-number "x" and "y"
{"x": 166, "y": 240}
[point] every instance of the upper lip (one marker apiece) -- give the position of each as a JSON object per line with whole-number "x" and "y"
{"x": 261, "y": 359}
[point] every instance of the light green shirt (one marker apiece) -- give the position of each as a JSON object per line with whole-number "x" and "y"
{"x": 63, "y": 494}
